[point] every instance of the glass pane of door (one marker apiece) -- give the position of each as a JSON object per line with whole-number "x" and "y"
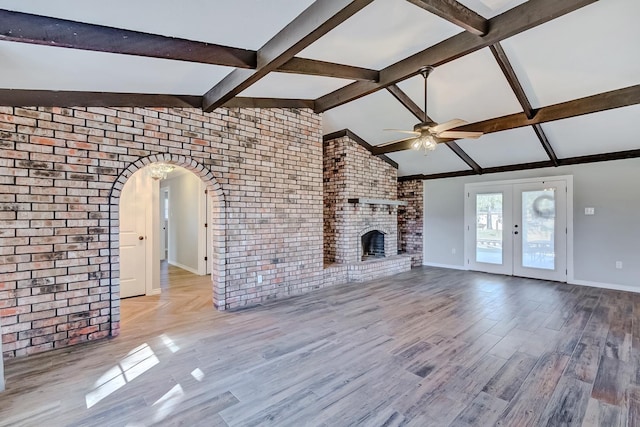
{"x": 489, "y": 227}
{"x": 538, "y": 228}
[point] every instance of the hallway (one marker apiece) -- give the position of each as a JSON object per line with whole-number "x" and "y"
{"x": 429, "y": 347}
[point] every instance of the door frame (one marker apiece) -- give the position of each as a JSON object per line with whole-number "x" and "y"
{"x": 568, "y": 179}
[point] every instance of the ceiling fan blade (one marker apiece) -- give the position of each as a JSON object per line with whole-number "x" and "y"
{"x": 448, "y": 125}
{"x": 384, "y": 144}
{"x": 412, "y": 132}
{"x": 459, "y": 134}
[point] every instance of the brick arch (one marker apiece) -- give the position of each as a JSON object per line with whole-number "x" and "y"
{"x": 218, "y": 228}
{"x": 371, "y": 228}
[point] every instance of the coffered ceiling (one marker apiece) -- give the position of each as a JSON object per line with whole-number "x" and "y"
{"x": 549, "y": 82}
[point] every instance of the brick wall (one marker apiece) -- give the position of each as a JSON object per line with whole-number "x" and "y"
{"x": 351, "y": 171}
{"x": 62, "y": 170}
{"x": 410, "y": 219}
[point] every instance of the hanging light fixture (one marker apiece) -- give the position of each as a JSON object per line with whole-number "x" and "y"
{"x": 159, "y": 171}
{"x": 424, "y": 142}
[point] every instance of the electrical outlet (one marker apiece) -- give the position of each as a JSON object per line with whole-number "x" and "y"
{"x": 589, "y": 211}
{"x": 453, "y": 251}
{"x": 619, "y": 265}
{"x": 259, "y": 278}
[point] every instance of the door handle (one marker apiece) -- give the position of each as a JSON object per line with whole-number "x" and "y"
{"x": 140, "y": 237}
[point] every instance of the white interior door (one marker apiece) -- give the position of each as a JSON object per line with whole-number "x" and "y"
{"x": 540, "y": 230}
{"x": 517, "y": 229}
{"x": 132, "y": 238}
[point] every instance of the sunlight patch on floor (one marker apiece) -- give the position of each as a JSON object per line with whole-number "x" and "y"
{"x": 135, "y": 363}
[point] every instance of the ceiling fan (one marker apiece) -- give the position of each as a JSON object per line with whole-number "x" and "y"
{"x": 427, "y": 133}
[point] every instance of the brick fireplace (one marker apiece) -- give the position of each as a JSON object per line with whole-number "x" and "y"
{"x": 360, "y": 202}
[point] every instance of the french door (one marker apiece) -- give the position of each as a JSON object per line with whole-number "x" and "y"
{"x": 517, "y": 229}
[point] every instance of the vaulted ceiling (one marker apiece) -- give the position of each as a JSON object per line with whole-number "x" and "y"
{"x": 549, "y": 82}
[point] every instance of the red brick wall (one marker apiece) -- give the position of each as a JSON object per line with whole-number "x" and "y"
{"x": 410, "y": 219}
{"x": 60, "y": 177}
{"x": 351, "y": 171}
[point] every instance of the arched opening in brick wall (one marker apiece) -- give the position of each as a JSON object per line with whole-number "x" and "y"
{"x": 217, "y": 225}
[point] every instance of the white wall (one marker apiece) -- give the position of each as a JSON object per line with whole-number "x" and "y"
{"x": 612, "y": 234}
{"x": 185, "y": 200}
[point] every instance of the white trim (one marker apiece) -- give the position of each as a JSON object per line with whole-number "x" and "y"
{"x": 155, "y": 291}
{"x": 567, "y": 179}
{"x": 601, "y": 285}
{"x": 184, "y": 267}
{"x": 449, "y": 266}
{"x": 520, "y": 181}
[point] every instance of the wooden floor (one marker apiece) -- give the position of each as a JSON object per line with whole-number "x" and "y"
{"x": 430, "y": 347}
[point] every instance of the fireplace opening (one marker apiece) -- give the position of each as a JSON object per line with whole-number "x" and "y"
{"x": 373, "y": 245}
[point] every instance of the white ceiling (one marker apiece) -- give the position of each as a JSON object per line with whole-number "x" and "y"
{"x": 592, "y": 50}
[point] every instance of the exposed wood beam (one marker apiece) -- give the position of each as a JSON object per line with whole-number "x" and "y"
{"x": 591, "y": 104}
{"x": 455, "y": 13}
{"x": 50, "y": 98}
{"x": 243, "y": 102}
{"x": 510, "y": 23}
{"x": 464, "y": 156}
{"x": 314, "y": 22}
{"x": 542, "y": 137}
{"x": 593, "y": 158}
{"x": 328, "y": 69}
{"x": 407, "y": 102}
{"x": 503, "y": 61}
{"x": 346, "y": 132}
{"x": 43, "y": 30}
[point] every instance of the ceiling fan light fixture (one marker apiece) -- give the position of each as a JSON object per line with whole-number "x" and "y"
{"x": 424, "y": 142}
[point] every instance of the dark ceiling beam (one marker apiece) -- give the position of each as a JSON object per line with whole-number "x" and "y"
{"x": 314, "y": 22}
{"x": 50, "y": 98}
{"x": 503, "y": 62}
{"x": 328, "y": 69}
{"x": 243, "y": 102}
{"x": 508, "y": 24}
{"x": 593, "y": 158}
{"x": 591, "y": 104}
{"x": 507, "y": 69}
{"x": 53, "y": 32}
{"x": 46, "y": 31}
{"x": 408, "y": 103}
{"x": 455, "y": 13}
{"x": 464, "y": 156}
{"x": 546, "y": 145}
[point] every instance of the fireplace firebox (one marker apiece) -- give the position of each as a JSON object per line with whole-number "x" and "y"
{"x": 373, "y": 245}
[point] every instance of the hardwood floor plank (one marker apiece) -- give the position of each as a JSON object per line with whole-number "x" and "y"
{"x": 526, "y": 407}
{"x": 416, "y": 349}
{"x": 506, "y": 383}
{"x": 611, "y": 381}
{"x": 484, "y": 410}
{"x": 568, "y": 403}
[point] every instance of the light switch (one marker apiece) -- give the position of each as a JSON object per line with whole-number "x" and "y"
{"x": 589, "y": 211}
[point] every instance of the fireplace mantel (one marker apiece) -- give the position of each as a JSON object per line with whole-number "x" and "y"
{"x": 378, "y": 202}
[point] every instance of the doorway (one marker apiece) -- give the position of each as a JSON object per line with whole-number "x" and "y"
{"x": 519, "y": 228}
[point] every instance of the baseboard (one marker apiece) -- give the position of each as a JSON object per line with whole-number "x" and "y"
{"x": 184, "y": 267}
{"x": 449, "y": 266}
{"x": 154, "y": 291}
{"x": 612, "y": 286}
